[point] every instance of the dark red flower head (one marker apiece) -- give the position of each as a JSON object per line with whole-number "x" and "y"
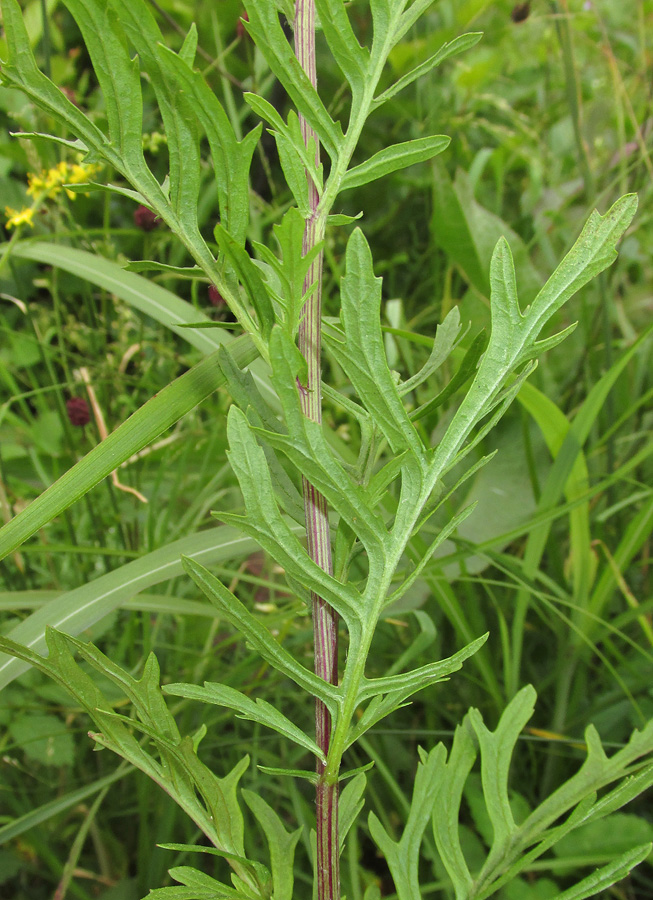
{"x": 215, "y": 297}
{"x": 521, "y": 11}
{"x": 78, "y": 411}
{"x": 145, "y": 219}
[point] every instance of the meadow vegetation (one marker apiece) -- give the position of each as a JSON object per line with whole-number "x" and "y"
{"x": 143, "y": 237}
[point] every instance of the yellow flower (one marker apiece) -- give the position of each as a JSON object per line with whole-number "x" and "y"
{"x": 19, "y": 217}
{"x": 50, "y": 183}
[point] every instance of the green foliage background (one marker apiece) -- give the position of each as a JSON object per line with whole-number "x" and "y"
{"x": 549, "y": 117}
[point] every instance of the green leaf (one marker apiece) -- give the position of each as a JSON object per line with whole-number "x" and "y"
{"x": 257, "y": 711}
{"x": 607, "y": 875}
{"x": 119, "y": 79}
{"x": 362, "y": 352}
{"x": 76, "y": 145}
{"x": 445, "y": 340}
{"x": 208, "y": 887}
{"x": 281, "y": 844}
{"x": 153, "y": 265}
{"x": 245, "y": 394}
{"x": 260, "y": 872}
{"x": 265, "y": 523}
{"x": 307, "y": 775}
{"x": 293, "y": 170}
{"x": 496, "y": 753}
{"x": 464, "y": 372}
{"x": 293, "y": 267}
{"x": 410, "y": 682}
{"x": 350, "y": 804}
{"x": 179, "y": 121}
{"x": 513, "y": 337}
{"x": 403, "y": 856}
{"x": 440, "y": 538}
{"x": 260, "y": 638}
{"x": 292, "y": 144}
{"x": 390, "y": 159}
{"x": 189, "y": 47}
{"x": 91, "y": 187}
{"x": 22, "y": 72}
{"x": 266, "y": 30}
{"x": 249, "y": 276}
{"x": 231, "y": 158}
{"x": 457, "y": 45}
{"x": 307, "y": 448}
{"x": 352, "y": 59}
{"x": 446, "y": 809}
{"x": 593, "y": 252}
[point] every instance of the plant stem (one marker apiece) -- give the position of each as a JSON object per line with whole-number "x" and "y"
{"x": 325, "y": 619}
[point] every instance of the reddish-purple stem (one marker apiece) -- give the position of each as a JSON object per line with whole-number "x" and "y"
{"x": 325, "y": 619}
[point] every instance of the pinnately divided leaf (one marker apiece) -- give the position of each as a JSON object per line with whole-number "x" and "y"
{"x": 403, "y": 856}
{"x": 513, "y": 339}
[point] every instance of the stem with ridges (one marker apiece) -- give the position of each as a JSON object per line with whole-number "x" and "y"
{"x": 325, "y": 619}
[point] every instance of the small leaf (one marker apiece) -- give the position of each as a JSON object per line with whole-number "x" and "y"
{"x": 390, "y": 159}
{"x": 403, "y": 856}
{"x": 593, "y": 252}
{"x": 239, "y": 616}
{"x": 257, "y": 711}
{"x": 197, "y": 880}
{"x": 306, "y": 774}
{"x": 265, "y": 522}
{"x": 608, "y": 875}
{"x": 458, "y": 45}
{"x": 446, "y": 809}
{"x": 265, "y": 28}
{"x": 189, "y": 47}
{"x": 362, "y": 353}
{"x": 22, "y": 72}
{"x": 465, "y": 371}
{"x": 294, "y": 171}
{"x": 410, "y": 682}
{"x": 260, "y": 869}
{"x": 281, "y": 844}
{"x": 249, "y": 276}
{"x": 231, "y": 158}
{"x": 308, "y": 450}
{"x": 496, "y": 750}
{"x": 177, "y": 112}
{"x": 445, "y": 340}
{"x": 352, "y": 59}
{"x": 441, "y": 537}
{"x": 350, "y": 805}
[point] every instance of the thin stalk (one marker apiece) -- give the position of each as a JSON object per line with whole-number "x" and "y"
{"x": 325, "y": 619}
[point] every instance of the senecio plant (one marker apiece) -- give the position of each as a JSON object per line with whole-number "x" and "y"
{"x": 371, "y": 510}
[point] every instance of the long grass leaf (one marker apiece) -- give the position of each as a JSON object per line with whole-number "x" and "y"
{"x": 140, "y": 429}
